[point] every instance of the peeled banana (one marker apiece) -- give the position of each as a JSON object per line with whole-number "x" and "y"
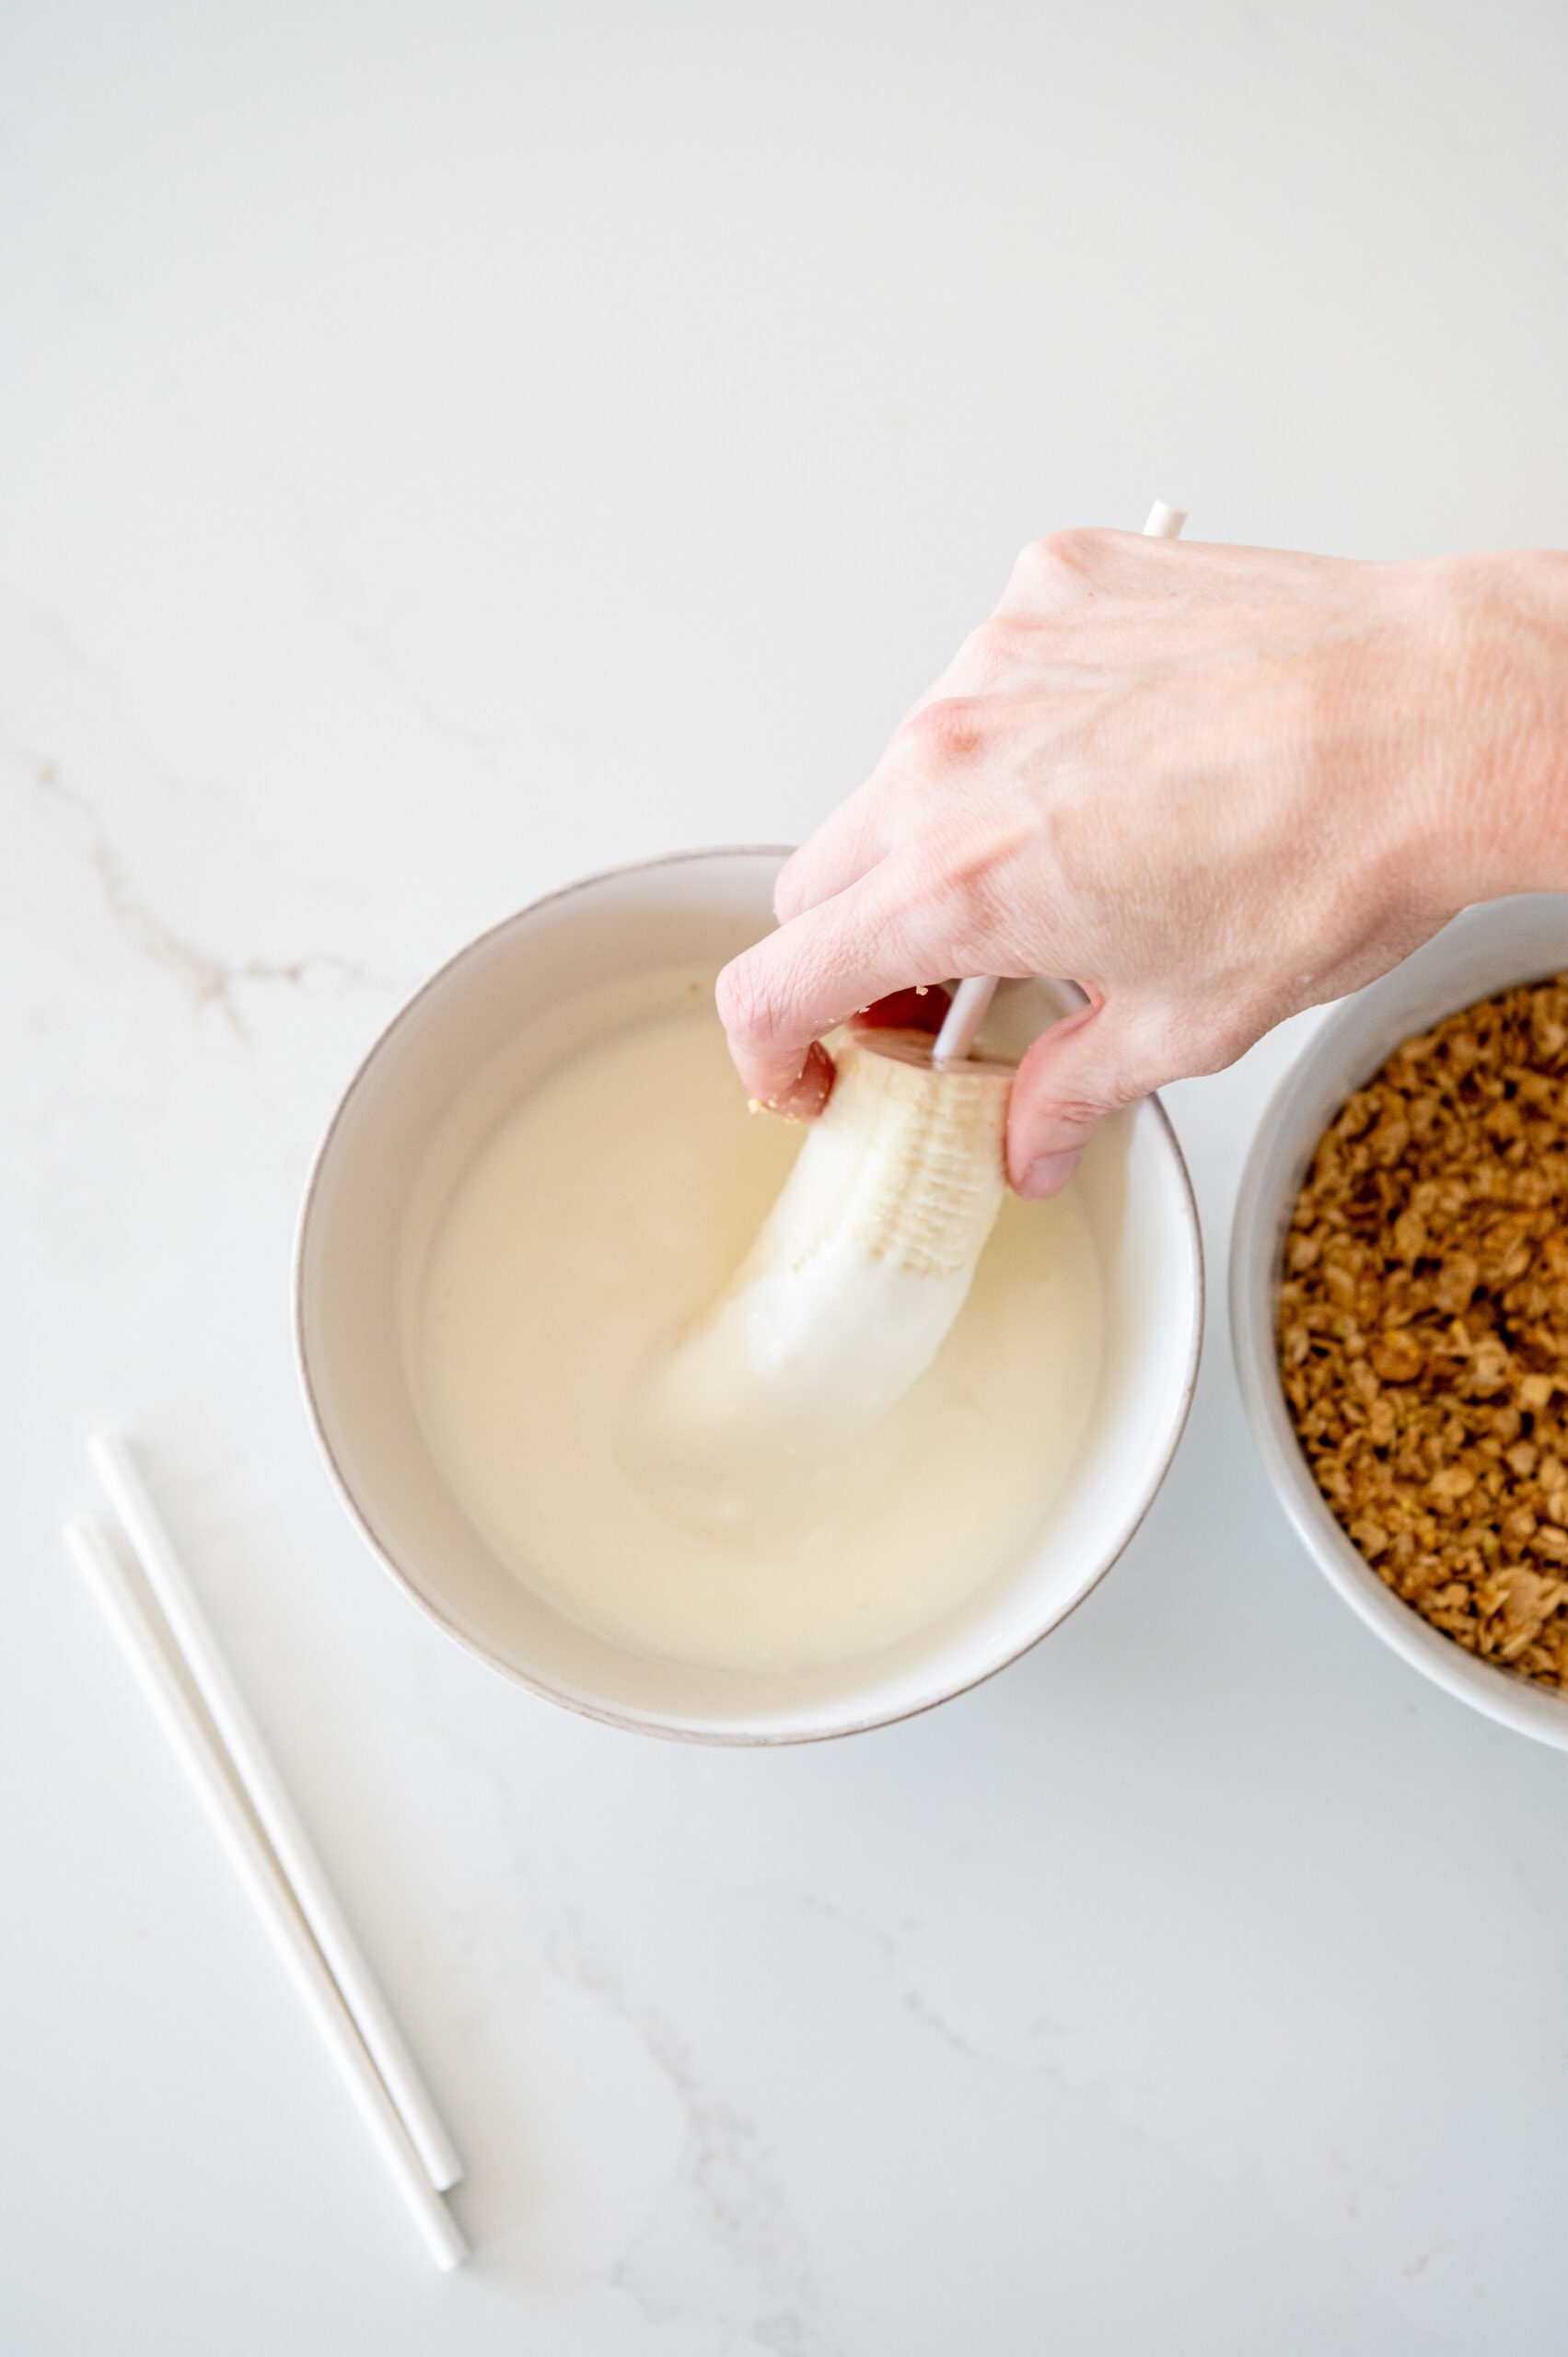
{"x": 856, "y": 1276}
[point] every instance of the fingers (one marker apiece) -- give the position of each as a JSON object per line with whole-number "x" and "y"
{"x": 777, "y": 999}
{"x": 996, "y": 657}
{"x": 846, "y": 846}
{"x": 1083, "y": 1068}
{"x": 1049, "y": 577}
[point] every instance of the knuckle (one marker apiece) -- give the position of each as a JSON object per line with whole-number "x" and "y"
{"x": 747, "y": 1001}
{"x": 1182, "y": 1042}
{"x": 948, "y": 728}
{"x": 1096, "y": 1075}
{"x": 1057, "y": 567}
{"x": 1219, "y": 1045}
{"x": 1080, "y": 1110}
{"x": 1076, "y": 550}
{"x": 1169, "y": 1044}
{"x": 993, "y": 653}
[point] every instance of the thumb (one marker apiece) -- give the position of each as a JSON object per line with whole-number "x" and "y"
{"x": 1078, "y": 1071}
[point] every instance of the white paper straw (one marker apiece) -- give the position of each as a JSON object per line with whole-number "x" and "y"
{"x": 128, "y": 1495}
{"x": 207, "y": 1769}
{"x": 963, "y": 1018}
{"x": 1165, "y": 523}
{"x": 973, "y": 997}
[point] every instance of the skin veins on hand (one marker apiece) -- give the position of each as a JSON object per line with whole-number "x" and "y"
{"x": 1212, "y": 785}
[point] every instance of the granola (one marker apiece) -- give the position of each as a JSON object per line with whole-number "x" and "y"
{"x": 1424, "y": 1325}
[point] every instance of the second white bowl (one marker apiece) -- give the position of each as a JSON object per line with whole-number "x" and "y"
{"x": 1484, "y": 950}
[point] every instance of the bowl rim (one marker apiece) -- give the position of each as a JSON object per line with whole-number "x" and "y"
{"x": 1280, "y": 1146}
{"x": 635, "y": 1723}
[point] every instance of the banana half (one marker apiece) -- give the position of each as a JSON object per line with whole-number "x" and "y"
{"x": 854, "y": 1279}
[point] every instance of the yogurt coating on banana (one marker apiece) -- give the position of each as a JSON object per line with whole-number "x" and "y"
{"x": 848, "y": 1293}
{"x": 598, "y": 1221}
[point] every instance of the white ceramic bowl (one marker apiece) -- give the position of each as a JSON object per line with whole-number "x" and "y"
{"x": 706, "y": 906}
{"x": 1484, "y": 950}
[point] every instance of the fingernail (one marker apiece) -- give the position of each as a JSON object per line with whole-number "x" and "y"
{"x": 1047, "y": 1175}
{"x": 804, "y": 1097}
{"x": 818, "y": 1072}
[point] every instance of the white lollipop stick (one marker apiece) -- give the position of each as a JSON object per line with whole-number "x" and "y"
{"x": 264, "y": 1787}
{"x": 207, "y": 1770}
{"x": 973, "y": 997}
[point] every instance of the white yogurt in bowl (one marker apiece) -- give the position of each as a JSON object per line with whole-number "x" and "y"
{"x": 544, "y": 1169}
{"x": 599, "y": 1217}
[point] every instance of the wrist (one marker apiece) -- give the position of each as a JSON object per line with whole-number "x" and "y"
{"x": 1497, "y": 727}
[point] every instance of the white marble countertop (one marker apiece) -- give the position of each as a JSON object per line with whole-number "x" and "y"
{"x": 444, "y": 449}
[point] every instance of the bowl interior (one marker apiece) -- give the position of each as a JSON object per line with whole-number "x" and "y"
{"x": 1484, "y": 950}
{"x": 374, "y": 1161}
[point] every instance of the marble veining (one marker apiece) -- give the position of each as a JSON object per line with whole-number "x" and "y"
{"x": 446, "y": 451}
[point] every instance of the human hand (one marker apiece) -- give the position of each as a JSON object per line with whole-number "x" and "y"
{"x": 1212, "y": 785}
